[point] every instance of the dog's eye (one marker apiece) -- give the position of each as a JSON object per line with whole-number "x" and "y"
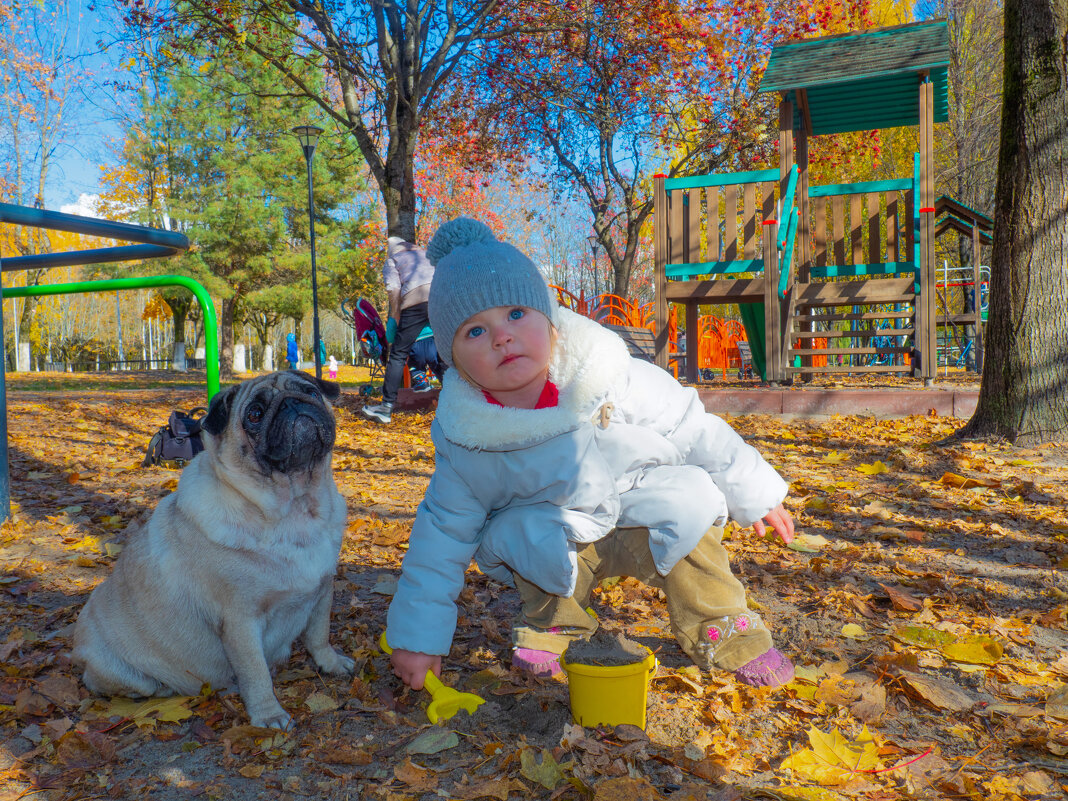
{"x": 254, "y": 413}
{"x": 310, "y": 390}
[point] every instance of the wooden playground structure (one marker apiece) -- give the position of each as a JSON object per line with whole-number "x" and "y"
{"x": 803, "y": 260}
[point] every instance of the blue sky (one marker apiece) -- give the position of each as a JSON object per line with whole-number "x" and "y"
{"x": 75, "y": 169}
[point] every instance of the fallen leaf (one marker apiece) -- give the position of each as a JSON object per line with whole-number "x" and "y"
{"x": 963, "y": 482}
{"x": 834, "y": 457}
{"x": 251, "y": 771}
{"x": 1057, "y": 703}
{"x": 833, "y": 759}
{"x": 924, "y": 638}
{"x": 540, "y": 767}
{"x": 147, "y": 712}
{"x": 320, "y": 702}
{"x": 873, "y": 469}
{"x": 625, "y": 788}
{"x": 939, "y": 693}
{"x": 976, "y": 649}
{"x": 415, "y": 777}
{"x": 500, "y": 788}
{"x": 855, "y": 632}
{"x": 902, "y": 600}
{"x": 433, "y": 741}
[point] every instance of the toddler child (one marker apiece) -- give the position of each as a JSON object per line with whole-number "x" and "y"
{"x": 562, "y": 461}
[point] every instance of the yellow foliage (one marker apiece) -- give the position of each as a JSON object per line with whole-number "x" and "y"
{"x": 832, "y": 759}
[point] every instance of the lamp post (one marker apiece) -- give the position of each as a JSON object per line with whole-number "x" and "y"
{"x": 308, "y": 135}
{"x": 594, "y": 244}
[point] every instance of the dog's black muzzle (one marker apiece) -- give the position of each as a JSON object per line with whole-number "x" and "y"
{"x": 297, "y": 433}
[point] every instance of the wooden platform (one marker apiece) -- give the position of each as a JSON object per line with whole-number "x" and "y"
{"x": 883, "y": 402}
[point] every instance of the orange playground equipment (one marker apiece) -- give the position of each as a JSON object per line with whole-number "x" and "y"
{"x": 717, "y": 339}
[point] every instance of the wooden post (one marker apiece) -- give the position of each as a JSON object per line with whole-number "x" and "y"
{"x": 777, "y": 352}
{"x": 804, "y": 271}
{"x": 661, "y": 254}
{"x": 927, "y": 226}
{"x": 691, "y": 341}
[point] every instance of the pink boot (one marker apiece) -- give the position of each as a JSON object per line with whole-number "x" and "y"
{"x": 540, "y": 663}
{"x": 770, "y": 669}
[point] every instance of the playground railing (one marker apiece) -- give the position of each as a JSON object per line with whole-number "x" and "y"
{"x": 705, "y": 215}
{"x": 873, "y": 238}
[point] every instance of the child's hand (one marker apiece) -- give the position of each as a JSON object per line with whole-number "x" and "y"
{"x": 411, "y": 666}
{"x": 780, "y": 520}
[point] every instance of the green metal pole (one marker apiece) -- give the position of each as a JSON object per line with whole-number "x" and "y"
{"x": 211, "y": 335}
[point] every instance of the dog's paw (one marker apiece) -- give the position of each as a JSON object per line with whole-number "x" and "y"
{"x": 330, "y": 661}
{"x": 276, "y": 718}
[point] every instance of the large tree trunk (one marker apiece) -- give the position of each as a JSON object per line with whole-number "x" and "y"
{"x": 1024, "y": 395}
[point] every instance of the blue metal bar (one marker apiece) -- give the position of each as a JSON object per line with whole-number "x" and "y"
{"x": 95, "y": 256}
{"x": 721, "y": 179}
{"x": 91, "y": 226}
{"x": 154, "y": 242}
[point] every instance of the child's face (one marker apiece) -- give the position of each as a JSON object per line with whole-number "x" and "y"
{"x": 505, "y": 350}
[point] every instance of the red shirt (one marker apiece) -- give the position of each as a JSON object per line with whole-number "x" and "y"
{"x": 549, "y": 397}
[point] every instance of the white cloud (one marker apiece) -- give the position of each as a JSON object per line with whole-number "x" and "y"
{"x": 85, "y": 206}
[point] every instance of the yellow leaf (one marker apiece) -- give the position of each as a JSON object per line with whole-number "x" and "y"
{"x": 954, "y": 480}
{"x": 320, "y": 702}
{"x": 540, "y": 767}
{"x": 833, "y": 759}
{"x": 855, "y": 632}
{"x": 146, "y": 713}
{"x": 817, "y": 503}
{"x": 834, "y": 457}
{"x": 251, "y": 771}
{"x": 975, "y": 649}
{"x": 872, "y": 469}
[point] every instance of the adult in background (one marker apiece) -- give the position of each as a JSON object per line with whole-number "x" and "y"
{"x": 407, "y": 275}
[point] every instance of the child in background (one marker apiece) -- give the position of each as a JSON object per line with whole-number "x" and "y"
{"x": 333, "y": 368}
{"x": 562, "y": 461}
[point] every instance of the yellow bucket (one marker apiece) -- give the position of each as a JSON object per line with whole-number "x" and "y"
{"x": 609, "y": 696}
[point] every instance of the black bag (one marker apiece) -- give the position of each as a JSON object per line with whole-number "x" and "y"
{"x": 176, "y": 443}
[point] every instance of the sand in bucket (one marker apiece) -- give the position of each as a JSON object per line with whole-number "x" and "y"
{"x": 608, "y": 679}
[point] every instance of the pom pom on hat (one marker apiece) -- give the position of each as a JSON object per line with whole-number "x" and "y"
{"x": 474, "y": 272}
{"x": 456, "y": 234}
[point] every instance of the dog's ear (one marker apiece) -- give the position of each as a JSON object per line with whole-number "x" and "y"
{"x": 330, "y": 389}
{"x": 219, "y": 411}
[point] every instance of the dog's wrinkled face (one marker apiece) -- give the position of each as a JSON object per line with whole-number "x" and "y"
{"x": 282, "y": 421}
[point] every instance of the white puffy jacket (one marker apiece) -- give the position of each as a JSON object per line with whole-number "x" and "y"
{"x": 521, "y": 490}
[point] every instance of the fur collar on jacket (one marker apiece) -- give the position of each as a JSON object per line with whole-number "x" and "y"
{"x": 588, "y": 362}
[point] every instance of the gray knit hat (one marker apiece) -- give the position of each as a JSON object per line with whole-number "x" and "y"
{"x": 474, "y": 272}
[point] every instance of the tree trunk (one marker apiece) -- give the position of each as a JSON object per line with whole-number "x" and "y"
{"x": 1024, "y": 395}
{"x": 226, "y": 331}
{"x": 398, "y": 191}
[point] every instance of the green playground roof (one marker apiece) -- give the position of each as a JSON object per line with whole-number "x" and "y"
{"x": 862, "y": 81}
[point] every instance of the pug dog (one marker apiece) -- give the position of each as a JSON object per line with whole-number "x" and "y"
{"x": 236, "y": 563}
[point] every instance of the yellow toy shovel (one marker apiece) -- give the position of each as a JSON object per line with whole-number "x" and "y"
{"x": 446, "y": 701}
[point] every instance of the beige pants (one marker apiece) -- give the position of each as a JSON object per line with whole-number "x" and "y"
{"x": 705, "y": 602}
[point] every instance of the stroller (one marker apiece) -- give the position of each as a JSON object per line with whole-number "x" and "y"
{"x": 370, "y": 332}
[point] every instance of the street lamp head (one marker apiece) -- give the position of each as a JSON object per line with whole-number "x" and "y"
{"x": 308, "y": 136}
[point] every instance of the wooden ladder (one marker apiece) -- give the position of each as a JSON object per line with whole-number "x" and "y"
{"x": 822, "y": 304}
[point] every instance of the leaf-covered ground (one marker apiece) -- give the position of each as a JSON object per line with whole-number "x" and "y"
{"x": 925, "y": 609}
